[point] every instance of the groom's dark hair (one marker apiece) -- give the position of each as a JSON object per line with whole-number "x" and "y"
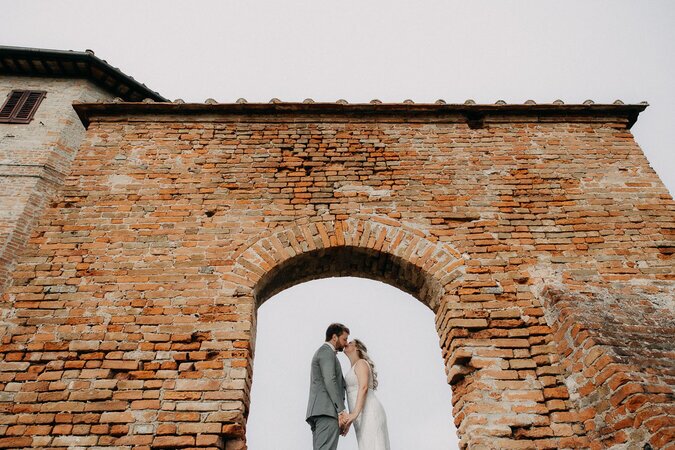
{"x": 335, "y": 328}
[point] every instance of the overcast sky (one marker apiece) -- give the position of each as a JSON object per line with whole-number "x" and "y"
{"x": 359, "y": 50}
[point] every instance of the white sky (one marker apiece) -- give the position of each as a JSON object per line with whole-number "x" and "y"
{"x": 359, "y": 50}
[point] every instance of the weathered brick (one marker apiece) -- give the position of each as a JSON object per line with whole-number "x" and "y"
{"x": 119, "y": 365}
{"x": 117, "y": 417}
{"x": 173, "y": 441}
{"x": 79, "y": 441}
{"x": 15, "y": 442}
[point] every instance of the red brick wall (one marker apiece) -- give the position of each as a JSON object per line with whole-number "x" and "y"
{"x": 543, "y": 242}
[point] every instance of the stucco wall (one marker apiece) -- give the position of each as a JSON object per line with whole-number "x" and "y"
{"x": 35, "y": 157}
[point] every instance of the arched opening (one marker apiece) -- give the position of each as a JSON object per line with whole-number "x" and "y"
{"x": 398, "y": 330}
{"x": 394, "y": 315}
{"x": 350, "y": 261}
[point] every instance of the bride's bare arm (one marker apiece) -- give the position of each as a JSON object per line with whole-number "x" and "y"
{"x": 361, "y": 369}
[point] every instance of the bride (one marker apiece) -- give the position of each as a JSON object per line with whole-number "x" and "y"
{"x": 366, "y": 411}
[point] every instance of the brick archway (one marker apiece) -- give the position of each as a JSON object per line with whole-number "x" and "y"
{"x": 382, "y": 248}
{"x": 377, "y": 248}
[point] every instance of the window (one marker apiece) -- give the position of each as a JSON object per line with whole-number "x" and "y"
{"x": 20, "y": 106}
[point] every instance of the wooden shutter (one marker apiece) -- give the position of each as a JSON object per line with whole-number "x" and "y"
{"x": 11, "y": 103}
{"x": 20, "y": 106}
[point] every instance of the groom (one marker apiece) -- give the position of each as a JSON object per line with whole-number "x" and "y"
{"x": 326, "y": 412}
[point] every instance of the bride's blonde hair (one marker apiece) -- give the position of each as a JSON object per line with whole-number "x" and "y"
{"x": 363, "y": 354}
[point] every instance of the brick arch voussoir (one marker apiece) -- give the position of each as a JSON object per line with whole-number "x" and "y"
{"x": 436, "y": 259}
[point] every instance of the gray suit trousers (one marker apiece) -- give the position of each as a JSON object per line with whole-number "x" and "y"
{"x": 325, "y": 432}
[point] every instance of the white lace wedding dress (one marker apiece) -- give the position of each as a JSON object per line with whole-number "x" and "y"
{"x": 371, "y": 425}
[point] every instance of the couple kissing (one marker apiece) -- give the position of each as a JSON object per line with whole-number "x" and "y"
{"x": 326, "y": 412}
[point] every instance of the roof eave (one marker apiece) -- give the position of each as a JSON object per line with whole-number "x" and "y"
{"x": 474, "y": 114}
{"x": 24, "y": 61}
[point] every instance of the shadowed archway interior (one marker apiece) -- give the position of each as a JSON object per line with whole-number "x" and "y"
{"x": 350, "y": 261}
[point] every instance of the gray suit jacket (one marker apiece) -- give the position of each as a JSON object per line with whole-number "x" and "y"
{"x": 327, "y": 386}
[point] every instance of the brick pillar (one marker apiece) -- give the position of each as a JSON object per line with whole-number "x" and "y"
{"x": 504, "y": 371}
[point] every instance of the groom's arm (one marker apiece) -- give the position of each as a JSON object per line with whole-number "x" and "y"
{"x": 327, "y": 365}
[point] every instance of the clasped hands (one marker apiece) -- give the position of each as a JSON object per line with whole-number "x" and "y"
{"x": 345, "y": 421}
